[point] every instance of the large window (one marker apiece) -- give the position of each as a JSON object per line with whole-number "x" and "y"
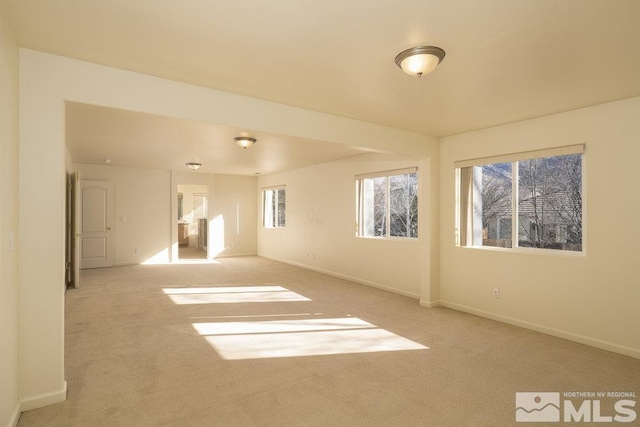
{"x": 387, "y": 204}
{"x": 527, "y": 200}
{"x": 274, "y": 207}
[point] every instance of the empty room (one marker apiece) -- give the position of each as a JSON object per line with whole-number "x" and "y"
{"x": 308, "y": 214}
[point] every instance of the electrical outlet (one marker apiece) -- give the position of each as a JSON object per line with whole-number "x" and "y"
{"x": 306, "y": 254}
{"x": 136, "y": 251}
{"x": 496, "y": 293}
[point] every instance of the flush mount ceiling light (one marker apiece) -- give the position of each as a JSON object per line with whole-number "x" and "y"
{"x": 244, "y": 141}
{"x": 194, "y": 166}
{"x": 420, "y": 60}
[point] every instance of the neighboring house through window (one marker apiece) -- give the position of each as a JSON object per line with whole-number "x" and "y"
{"x": 534, "y": 196}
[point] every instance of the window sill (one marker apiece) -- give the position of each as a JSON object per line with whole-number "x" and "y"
{"x": 389, "y": 239}
{"x": 528, "y": 251}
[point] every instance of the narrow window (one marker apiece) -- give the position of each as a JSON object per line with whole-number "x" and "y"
{"x": 180, "y": 206}
{"x": 274, "y": 205}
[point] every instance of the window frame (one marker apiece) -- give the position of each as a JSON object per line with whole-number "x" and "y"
{"x": 514, "y": 159}
{"x": 359, "y": 223}
{"x": 274, "y": 214}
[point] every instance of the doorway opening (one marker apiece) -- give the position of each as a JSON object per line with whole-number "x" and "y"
{"x": 193, "y": 213}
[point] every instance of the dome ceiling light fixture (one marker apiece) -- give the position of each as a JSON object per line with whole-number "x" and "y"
{"x": 419, "y": 60}
{"x": 194, "y": 166}
{"x": 244, "y": 141}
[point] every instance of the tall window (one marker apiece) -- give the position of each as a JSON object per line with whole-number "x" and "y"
{"x": 387, "y": 204}
{"x": 531, "y": 200}
{"x": 180, "y": 206}
{"x": 200, "y": 205}
{"x": 274, "y": 205}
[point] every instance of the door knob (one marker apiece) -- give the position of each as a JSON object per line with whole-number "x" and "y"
{"x": 108, "y": 228}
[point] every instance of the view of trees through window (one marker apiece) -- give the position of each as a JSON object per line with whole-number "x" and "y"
{"x": 549, "y": 201}
{"x": 274, "y": 207}
{"x": 388, "y": 206}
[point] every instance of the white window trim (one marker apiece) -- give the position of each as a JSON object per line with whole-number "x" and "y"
{"x": 360, "y": 202}
{"x": 264, "y": 205}
{"x": 514, "y": 159}
{"x": 526, "y": 155}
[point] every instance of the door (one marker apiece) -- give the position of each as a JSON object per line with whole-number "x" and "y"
{"x": 68, "y": 241}
{"x": 96, "y": 248}
{"x": 73, "y": 225}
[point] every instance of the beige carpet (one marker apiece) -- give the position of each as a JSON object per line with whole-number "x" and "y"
{"x": 252, "y": 342}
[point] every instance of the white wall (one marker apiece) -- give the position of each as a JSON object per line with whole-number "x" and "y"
{"x": 9, "y": 403}
{"x": 591, "y": 299}
{"x": 141, "y": 211}
{"x": 234, "y": 204}
{"x": 320, "y": 221}
{"x": 68, "y": 162}
{"x": 145, "y": 198}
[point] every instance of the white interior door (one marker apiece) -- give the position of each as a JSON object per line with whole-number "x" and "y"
{"x": 96, "y": 249}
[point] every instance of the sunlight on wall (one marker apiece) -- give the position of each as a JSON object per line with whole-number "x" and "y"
{"x": 216, "y": 236}
{"x": 307, "y": 337}
{"x": 237, "y": 219}
{"x": 232, "y": 294}
{"x": 161, "y": 257}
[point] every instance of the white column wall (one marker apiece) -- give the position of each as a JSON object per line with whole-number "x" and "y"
{"x": 9, "y": 402}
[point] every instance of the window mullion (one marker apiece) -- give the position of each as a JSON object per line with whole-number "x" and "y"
{"x": 359, "y": 207}
{"x": 515, "y": 215}
{"x": 276, "y": 217}
{"x": 388, "y": 209}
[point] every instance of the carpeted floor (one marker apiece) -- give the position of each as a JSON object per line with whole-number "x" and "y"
{"x": 251, "y": 342}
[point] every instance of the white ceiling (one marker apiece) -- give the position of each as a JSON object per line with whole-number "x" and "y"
{"x": 142, "y": 140}
{"x": 506, "y": 60}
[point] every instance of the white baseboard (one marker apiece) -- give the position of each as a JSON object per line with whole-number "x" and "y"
{"x": 232, "y": 255}
{"x": 345, "y": 277}
{"x": 604, "y": 345}
{"x": 15, "y": 416}
{"x": 45, "y": 399}
{"x": 429, "y": 304}
{"x": 125, "y": 263}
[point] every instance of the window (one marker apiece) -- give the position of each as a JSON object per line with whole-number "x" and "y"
{"x": 200, "y": 205}
{"x": 527, "y": 200}
{"x": 387, "y": 204}
{"x": 274, "y": 207}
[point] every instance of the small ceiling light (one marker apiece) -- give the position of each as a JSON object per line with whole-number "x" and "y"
{"x": 194, "y": 166}
{"x": 107, "y": 161}
{"x": 244, "y": 141}
{"x": 420, "y": 60}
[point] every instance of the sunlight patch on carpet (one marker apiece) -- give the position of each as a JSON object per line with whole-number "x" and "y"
{"x": 232, "y": 294}
{"x": 307, "y": 337}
